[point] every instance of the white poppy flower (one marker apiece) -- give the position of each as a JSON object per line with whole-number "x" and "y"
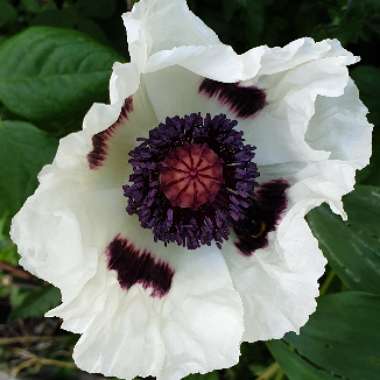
{"x": 173, "y": 223}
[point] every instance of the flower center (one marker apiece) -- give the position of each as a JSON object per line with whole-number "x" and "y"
{"x": 191, "y": 176}
{"x": 193, "y": 179}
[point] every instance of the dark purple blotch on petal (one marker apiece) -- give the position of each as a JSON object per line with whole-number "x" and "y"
{"x": 98, "y": 154}
{"x": 136, "y": 267}
{"x": 262, "y": 217}
{"x": 243, "y": 101}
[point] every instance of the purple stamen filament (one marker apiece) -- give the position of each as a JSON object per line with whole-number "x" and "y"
{"x": 193, "y": 179}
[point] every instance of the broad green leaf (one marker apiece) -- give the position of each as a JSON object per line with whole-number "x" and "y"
{"x": 296, "y": 367}
{"x": 47, "y": 74}
{"x": 208, "y": 376}
{"x": 368, "y": 80}
{"x": 17, "y": 296}
{"x": 230, "y": 7}
{"x": 99, "y": 9}
{"x": 8, "y": 251}
{"x": 36, "y": 6}
{"x": 32, "y": 6}
{"x": 255, "y": 14}
{"x": 353, "y": 247}
{"x": 70, "y": 18}
{"x": 24, "y": 150}
{"x": 37, "y": 303}
{"x": 8, "y": 13}
{"x": 343, "y": 336}
{"x": 371, "y": 174}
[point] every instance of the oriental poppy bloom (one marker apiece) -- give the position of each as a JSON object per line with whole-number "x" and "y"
{"x": 174, "y": 222}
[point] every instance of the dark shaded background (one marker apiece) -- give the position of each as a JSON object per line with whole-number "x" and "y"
{"x": 342, "y": 339}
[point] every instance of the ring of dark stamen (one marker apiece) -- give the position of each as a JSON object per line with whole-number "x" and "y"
{"x": 211, "y": 221}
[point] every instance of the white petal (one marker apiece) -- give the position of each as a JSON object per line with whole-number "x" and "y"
{"x": 278, "y": 131}
{"x": 183, "y": 39}
{"x": 315, "y": 69}
{"x": 58, "y": 232}
{"x": 298, "y": 52}
{"x": 125, "y": 81}
{"x": 340, "y": 126}
{"x": 62, "y": 229}
{"x": 147, "y": 34}
{"x": 181, "y": 27}
{"x": 196, "y": 327}
{"x": 174, "y": 91}
{"x": 278, "y": 284}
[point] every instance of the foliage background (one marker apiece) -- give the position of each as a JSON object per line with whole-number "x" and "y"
{"x": 48, "y": 79}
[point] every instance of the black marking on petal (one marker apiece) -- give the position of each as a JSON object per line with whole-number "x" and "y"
{"x": 243, "y": 101}
{"x": 98, "y": 155}
{"x": 262, "y": 217}
{"x": 136, "y": 267}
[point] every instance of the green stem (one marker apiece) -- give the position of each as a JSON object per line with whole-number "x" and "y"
{"x": 269, "y": 372}
{"x": 279, "y": 375}
{"x": 326, "y": 284}
{"x": 28, "y": 339}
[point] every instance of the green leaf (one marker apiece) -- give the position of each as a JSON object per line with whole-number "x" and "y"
{"x": 353, "y": 247}
{"x": 100, "y": 9}
{"x": 17, "y": 296}
{"x": 8, "y": 13}
{"x": 48, "y": 73}
{"x": 295, "y": 367}
{"x": 8, "y": 251}
{"x": 24, "y": 150}
{"x": 208, "y": 376}
{"x": 70, "y": 18}
{"x": 230, "y": 7}
{"x": 255, "y": 15}
{"x": 343, "y": 336}
{"x": 370, "y": 175}
{"x": 32, "y": 6}
{"x": 368, "y": 80}
{"x": 36, "y": 6}
{"x": 37, "y": 303}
